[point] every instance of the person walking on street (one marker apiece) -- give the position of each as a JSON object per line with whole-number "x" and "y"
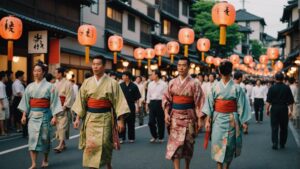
{"x": 258, "y": 97}
{"x": 279, "y": 99}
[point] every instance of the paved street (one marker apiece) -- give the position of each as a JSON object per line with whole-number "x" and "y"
{"x": 257, "y": 153}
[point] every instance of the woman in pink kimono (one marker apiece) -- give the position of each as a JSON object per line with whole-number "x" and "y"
{"x": 182, "y": 104}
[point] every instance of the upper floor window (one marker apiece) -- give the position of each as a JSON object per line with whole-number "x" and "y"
{"x": 151, "y": 12}
{"x": 185, "y": 8}
{"x": 145, "y": 28}
{"x": 95, "y": 7}
{"x": 114, "y": 14}
{"x": 131, "y": 22}
{"x": 166, "y": 27}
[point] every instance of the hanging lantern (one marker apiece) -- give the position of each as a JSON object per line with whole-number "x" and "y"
{"x": 203, "y": 45}
{"x": 87, "y": 36}
{"x": 160, "y": 50}
{"x": 139, "y": 55}
{"x": 258, "y": 66}
{"x": 209, "y": 60}
{"x": 272, "y": 54}
{"x": 149, "y": 54}
{"x": 236, "y": 65}
{"x": 173, "y": 49}
{"x": 115, "y": 44}
{"x": 10, "y": 29}
{"x": 217, "y": 61}
{"x": 263, "y": 59}
{"x": 278, "y": 66}
{"x": 248, "y": 59}
{"x": 223, "y": 15}
{"x": 234, "y": 59}
{"x": 252, "y": 64}
{"x": 186, "y": 37}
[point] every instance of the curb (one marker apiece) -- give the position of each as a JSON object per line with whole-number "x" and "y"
{"x": 295, "y": 134}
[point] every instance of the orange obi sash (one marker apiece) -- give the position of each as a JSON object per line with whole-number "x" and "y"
{"x": 39, "y": 103}
{"x": 62, "y": 100}
{"x": 98, "y": 106}
{"x": 183, "y": 102}
{"x": 225, "y": 106}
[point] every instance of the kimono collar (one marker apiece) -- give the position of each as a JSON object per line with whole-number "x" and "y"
{"x": 229, "y": 82}
{"x": 100, "y": 80}
{"x": 182, "y": 81}
{"x": 42, "y": 81}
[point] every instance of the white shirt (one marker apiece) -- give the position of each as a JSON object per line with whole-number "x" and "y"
{"x": 156, "y": 90}
{"x": 295, "y": 91}
{"x": 142, "y": 90}
{"x": 2, "y": 91}
{"x": 249, "y": 88}
{"x": 75, "y": 90}
{"x": 17, "y": 87}
{"x": 259, "y": 93}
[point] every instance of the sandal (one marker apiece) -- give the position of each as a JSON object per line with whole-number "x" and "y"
{"x": 45, "y": 164}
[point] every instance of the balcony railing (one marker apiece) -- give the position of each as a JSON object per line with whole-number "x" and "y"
{"x": 145, "y": 38}
{"x": 114, "y": 25}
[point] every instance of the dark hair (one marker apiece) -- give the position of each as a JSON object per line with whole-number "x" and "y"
{"x": 2, "y": 75}
{"x": 127, "y": 73}
{"x": 8, "y": 73}
{"x": 61, "y": 70}
{"x": 291, "y": 80}
{"x": 213, "y": 74}
{"x": 185, "y": 58}
{"x": 102, "y": 58}
{"x": 157, "y": 72}
{"x": 279, "y": 76}
{"x": 42, "y": 65}
{"x": 237, "y": 75}
{"x": 49, "y": 77}
{"x": 19, "y": 73}
{"x": 193, "y": 76}
{"x": 225, "y": 68}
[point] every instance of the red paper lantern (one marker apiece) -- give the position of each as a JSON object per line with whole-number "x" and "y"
{"x": 139, "y": 55}
{"x": 209, "y": 60}
{"x": 203, "y": 45}
{"x": 248, "y": 59}
{"x": 263, "y": 59}
{"x": 223, "y": 15}
{"x": 186, "y": 37}
{"x": 173, "y": 49}
{"x": 252, "y": 64}
{"x": 149, "y": 54}
{"x": 115, "y": 44}
{"x": 217, "y": 61}
{"x": 87, "y": 36}
{"x": 278, "y": 65}
{"x": 234, "y": 59}
{"x": 10, "y": 29}
{"x": 160, "y": 50}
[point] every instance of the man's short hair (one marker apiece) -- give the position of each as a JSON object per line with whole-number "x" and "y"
{"x": 237, "y": 75}
{"x": 291, "y": 80}
{"x": 279, "y": 76}
{"x": 157, "y": 72}
{"x": 61, "y": 70}
{"x": 127, "y": 73}
{"x": 185, "y": 58}
{"x": 19, "y": 73}
{"x": 102, "y": 58}
{"x": 225, "y": 68}
{"x": 2, "y": 75}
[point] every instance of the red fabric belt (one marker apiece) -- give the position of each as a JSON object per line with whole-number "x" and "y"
{"x": 62, "y": 100}
{"x": 183, "y": 99}
{"x": 225, "y": 106}
{"x": 39, "y": 103}
{"x": 98, "y": 104}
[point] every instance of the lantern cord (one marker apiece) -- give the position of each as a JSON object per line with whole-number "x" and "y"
{"x": 149, "y": 63}
{"x": 172, "y": 58}
{"x": 222, "y": 35}
{"x": 202, "y": 53}
{"x": 139, "y": 63}
{"x": 87, "y": 54}
{"x": 10, "y": 50}
{"x": 115, "y": 57}
{"x": 186, "y": 50}
{"x": 159, "y": 60}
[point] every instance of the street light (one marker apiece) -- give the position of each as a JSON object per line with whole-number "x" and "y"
{"x": 125, "y": 63}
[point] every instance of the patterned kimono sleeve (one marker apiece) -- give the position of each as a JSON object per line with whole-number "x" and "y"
{"x": 69, "y": 95}
{"x": 79, "y": 106}
{"x": 243, "y": 106}
{"x": 55, "y": 104}
{"x": 167, "y": 99}
{"x": 24, "y": 103}
{"x": 118, "y": 100}
{"x": 208, "y": 107}
{"x": 199, "y": 99}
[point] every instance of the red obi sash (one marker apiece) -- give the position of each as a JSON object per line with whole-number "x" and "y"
{"x": 98, "y": 104}
{"x": 225, "y": 106}
{"x": 183, "y": 99}
{"x": 62, "y": 100}
{"x": 39, "y": 103}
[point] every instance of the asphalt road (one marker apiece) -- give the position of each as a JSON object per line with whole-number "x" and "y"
{"x": 256, "y": 153}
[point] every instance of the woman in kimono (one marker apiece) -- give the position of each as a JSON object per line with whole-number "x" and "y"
{"x": 226, "y": 109}
{"x": 182, "y": 104}
{"x": 65, "y": 92}
{"x": 40, "y": 104}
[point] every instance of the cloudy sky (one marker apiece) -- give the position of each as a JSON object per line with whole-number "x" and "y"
{"x": 270, "y": 10}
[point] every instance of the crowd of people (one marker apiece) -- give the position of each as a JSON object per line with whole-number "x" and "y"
{"x": 107, "y": 105}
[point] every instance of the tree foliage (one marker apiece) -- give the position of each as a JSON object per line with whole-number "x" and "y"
{"x": 257, "y": 49}
{"x": 206, "y": 28}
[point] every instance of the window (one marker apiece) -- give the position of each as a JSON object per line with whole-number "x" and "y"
{"x": 95, "y": 7}
{"x": 131, "y": 22}
{"x": 185, "y": 8}
{"x": 247, "y": 24}
{"x": 113, "y": 14}
{"x": 145, "y": 28}
{"x": 166, "y": 27}
{"x": 151, "y": 12}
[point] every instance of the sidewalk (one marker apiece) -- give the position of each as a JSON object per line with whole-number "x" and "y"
{"x": 296, "y": 134}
